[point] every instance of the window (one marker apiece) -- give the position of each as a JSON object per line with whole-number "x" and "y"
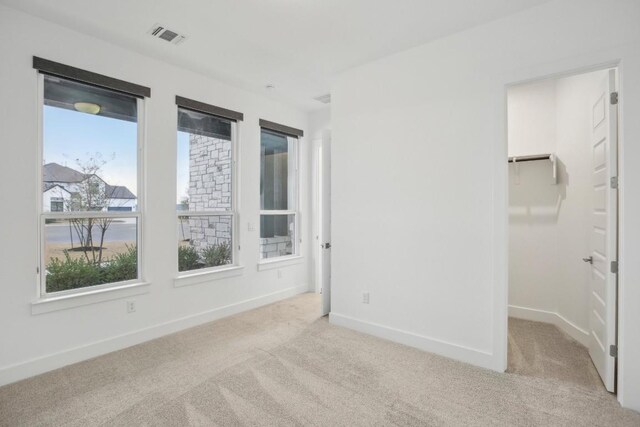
{"x": 205, "y": 199}
{"x": 279, "y": 215}
{"x": 57, "y": 204}
{"x": 90, "y": 217}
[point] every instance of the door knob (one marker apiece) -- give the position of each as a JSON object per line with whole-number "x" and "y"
{"x": 326, "y": 245}
{"x": 589, "y": 260}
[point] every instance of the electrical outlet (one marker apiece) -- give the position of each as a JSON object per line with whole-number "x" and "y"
{"x": 251, "y": 227}
{"x": 279, "y": 274}
{"x": 365, "y": 297}
{"x": 131, "y": 306}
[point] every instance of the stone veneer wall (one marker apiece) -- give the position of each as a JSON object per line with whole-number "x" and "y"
{"x": 209, "y": 189}
{"x": 276, "y": 246}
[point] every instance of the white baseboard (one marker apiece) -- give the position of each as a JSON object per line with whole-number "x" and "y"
{"x": 13, "y": 373}
{"x": 442, "y": 348}
{"x": 556, "y": 319}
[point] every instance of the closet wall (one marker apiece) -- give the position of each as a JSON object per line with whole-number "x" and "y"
{"x": 548, "y": 229}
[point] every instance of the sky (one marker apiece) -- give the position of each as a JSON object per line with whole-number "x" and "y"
{"x": 71, "y": 136}
{"x": 183, "y": 166}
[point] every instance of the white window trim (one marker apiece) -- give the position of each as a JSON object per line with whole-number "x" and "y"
{"x": 192, "y": 277}
{"x": 91, "y": 295}
{"x": 280, "y": 262}
{"x": 107, "y": 291}
{"x": 266, "y": 263}
{"x": 195, "y": 277}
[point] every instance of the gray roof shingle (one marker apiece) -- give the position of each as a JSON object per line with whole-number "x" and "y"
{"x": 49, "y": 185}
{"x": 53, "y": 173}
{"x": 119, "y": 192}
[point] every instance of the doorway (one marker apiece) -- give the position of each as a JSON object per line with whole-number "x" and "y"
{"x": 322, "y": 226}
{"x": 563, "y": 222}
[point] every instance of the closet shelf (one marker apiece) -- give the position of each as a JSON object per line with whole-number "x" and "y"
{"x": 530, "y": 158}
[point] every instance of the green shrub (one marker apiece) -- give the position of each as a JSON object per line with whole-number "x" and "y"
{"x": 122, "y": 266}
{"x": 71, "y": 274}
{"x": 216, "y": 255}
{"x": 188, "y": 258}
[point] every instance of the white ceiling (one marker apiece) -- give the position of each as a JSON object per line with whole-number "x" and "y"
{"x": 297, "y": 45}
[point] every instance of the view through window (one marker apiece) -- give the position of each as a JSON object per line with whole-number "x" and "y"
{"x": 90, "y": 214}
{"x": 278, "y": 195}
{"x": 204, "y": 199}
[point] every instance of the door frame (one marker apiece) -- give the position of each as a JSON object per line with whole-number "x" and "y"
{"x": 502, "y": 325}
{"x": 321, "y": 174}
{"x": 317, "y": 213}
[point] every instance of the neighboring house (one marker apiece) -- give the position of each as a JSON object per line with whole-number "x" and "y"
{"x": 55, "y": 197}
{"x": 120, "y": 198}
{"x": 60, "y": 183}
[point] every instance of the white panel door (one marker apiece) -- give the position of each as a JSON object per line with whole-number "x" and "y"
{"x": 604, "y": 230}
{"x": 325, "y": 222}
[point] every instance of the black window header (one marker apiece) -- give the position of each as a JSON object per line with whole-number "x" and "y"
{"x": 56, "y": 69}
{"x": 296, "y": 133}
{"x": 201, "y": 107}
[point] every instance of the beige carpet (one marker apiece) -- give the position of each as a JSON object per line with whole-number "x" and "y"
{"x": 541, "y": 350}
{"x": 282, "y": 365}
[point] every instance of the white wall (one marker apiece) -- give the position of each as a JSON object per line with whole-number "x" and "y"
{"x": 319, "y": 122}
{"x": 34, "y": 343}
{"x": 420, "y": 179}
{"x": 532, "y": 118}
{"x": 549, "y": 223}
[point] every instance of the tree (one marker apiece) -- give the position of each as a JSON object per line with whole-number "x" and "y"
{"x": 90, "y": 196}
{"x": 184, "y": 206}
{"x": 184, "y": 203}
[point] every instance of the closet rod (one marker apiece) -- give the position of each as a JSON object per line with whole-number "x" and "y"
{"x": 519, "y": 159}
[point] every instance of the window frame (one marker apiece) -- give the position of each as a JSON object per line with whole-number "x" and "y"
{"x": 234, "y": 212}
{"x": 297, "y": 241}
{"x": 43, "y": 216}
{"x": 57, "y": 203}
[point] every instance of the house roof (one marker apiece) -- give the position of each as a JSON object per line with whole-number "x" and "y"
{"x": 53, "y": 172}
{"x": 51, "y": 185}
{"x": 119, "y": 192}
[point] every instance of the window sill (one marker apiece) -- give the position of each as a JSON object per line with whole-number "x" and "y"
{"x": 63, "y": 302}
{"x": 195, "y": 278}
{"x": 270, "y": 264}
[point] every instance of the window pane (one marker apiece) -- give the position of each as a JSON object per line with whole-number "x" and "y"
{"x": 277, "y": 235}
{"x": 89, "y": 251}
{"x": 204, "y": 241}
{"x": 277, "y": 172}
{"x": 204, "y": 162}
{"x": 90, "y": 148}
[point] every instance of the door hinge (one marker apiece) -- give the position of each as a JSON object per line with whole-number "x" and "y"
{"x": 614, "y": 266}
{"x": 614, "y": 182}
{"x": 613, "y": 350}
{"x": 614, "y": 98}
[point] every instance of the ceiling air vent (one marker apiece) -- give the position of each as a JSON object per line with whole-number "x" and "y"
{"x": 162, "y": 32}
{"x": 325, "y": 99}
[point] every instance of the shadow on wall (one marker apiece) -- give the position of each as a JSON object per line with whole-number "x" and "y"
{"x": 533, "y": 196}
